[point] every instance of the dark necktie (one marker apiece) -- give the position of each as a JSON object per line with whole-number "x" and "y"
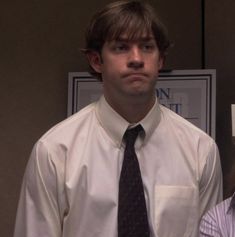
{"x": 132, "y": 212}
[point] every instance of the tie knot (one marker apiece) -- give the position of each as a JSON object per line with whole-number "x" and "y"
{"x": 131, "y": 134}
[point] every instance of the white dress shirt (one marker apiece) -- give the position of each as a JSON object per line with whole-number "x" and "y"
{"x": 70, "y": 187}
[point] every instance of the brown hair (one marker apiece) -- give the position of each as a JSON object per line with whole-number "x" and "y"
{"x": 131, "y": 17}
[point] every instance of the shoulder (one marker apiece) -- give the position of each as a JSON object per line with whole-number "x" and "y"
{"x": 61, "y": 137}
{"x": 216, "y": 218}
{"x": 219, "y": 210}
{"x": 183, "y": 127}
{"x": 72, "y": 126}
{"x": 52, "y": 149}
{"x": 198, "y": 144}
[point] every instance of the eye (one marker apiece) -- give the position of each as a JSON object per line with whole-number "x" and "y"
{"x": 148, "y": 47}
{"x": 120, "y": 47}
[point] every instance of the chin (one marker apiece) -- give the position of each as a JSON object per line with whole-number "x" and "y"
{"x": 139, "y": 92}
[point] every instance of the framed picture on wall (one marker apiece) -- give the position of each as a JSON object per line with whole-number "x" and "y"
{"x": 189, "y": 93}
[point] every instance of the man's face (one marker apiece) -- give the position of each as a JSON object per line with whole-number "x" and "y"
{"x": 129, "y": 68}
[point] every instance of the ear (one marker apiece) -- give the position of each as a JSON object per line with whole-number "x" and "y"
{"x": 94, "y": 60}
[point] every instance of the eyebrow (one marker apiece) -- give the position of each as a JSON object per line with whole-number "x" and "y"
{"x": 142, "y": 39}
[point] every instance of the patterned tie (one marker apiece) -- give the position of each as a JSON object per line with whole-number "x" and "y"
{"x": 132, "y": 212}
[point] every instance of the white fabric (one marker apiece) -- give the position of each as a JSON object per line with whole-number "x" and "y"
{"x": 70, "y": 188}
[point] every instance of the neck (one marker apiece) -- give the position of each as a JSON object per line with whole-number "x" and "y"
{"x": 134, "y": 109}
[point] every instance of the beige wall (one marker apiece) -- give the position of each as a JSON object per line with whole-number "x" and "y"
{"x": 39, "y": 45}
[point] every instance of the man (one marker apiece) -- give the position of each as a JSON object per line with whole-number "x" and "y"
{"x": 75, "y": 182}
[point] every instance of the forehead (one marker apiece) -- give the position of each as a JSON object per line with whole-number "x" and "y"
{"x": 131, "y": 29}
{"x": 133, "y": 38}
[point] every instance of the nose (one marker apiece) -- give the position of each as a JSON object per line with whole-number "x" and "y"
{"x": 135, "y": 59}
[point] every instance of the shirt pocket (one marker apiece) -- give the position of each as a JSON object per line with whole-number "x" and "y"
{"x": 175, "y": 210}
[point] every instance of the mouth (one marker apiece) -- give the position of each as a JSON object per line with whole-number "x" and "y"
{"x": 135, "y": 76}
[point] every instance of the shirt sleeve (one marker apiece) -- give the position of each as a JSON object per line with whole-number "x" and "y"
{"x": 209, "y": 226}
{"x": 40, "y": 205}
{"x": 211, "y": 185}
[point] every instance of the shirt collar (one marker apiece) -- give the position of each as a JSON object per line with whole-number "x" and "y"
{"x": 115, "y": 125}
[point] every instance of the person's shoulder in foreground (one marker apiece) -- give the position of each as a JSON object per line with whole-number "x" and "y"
{"x": 220, "y": 220}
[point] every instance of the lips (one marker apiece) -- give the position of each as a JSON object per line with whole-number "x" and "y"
{"x": 135, "y": 75}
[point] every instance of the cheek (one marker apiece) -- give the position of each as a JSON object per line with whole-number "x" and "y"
{"x": 112, "y": 66}
{"x": 155, "y": 63}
